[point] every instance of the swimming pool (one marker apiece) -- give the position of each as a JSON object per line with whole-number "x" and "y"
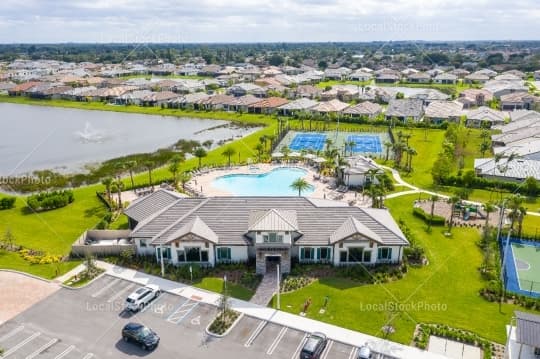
{"x": 274, "y": 183}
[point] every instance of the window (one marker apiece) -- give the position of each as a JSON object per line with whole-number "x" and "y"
{"x": 204, "y": 256}
{"x": 367, "y": 256}
{"x": 307, "y": 253}
{"x": 272, "y": 237}
{"x": 325, "y": 253}
{"x": 384, "y": 253}
{"x": 265, "y": 238}
{"x": 355, "y": 254}
{"x": 142, "y": 243}
{"x": 224, "y": 253}
{"x": 193, "y": 254}
{"x": 343, "y": 256}
{"x": 181, "y": 255}
{"x": 166, "y": 253}
{"x": 536, "y": 351}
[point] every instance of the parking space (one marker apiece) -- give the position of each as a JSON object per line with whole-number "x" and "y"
{"x": 246, "y": 330}
{"x": 339, "y": 350}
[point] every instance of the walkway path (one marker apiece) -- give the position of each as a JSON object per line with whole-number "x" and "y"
{"x": 266, "y": 289}
{"x": 293, "y": 321}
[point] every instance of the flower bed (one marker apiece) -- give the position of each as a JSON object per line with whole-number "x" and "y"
{"x": 223, "y": 322}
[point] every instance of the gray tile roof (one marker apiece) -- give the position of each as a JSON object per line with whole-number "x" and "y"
{"x": 273, "y": 220}
{"x": 528, "y": 329}
{"x": 196, "y": 227}
{"x": 229, "y": 218}
{"x": 352, "y": 227}
{"x": 144, "y": 207}
{"x": 516, "y": 169}
{"x": 405, "y": 108}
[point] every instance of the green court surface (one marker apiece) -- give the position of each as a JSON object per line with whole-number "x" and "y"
{"x": 527, "y": 261}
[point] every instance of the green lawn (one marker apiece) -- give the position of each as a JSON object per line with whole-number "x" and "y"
{"x": 450, "y": 284}
{"x": 216, "y": 285}
{"x": 10, "y": 260}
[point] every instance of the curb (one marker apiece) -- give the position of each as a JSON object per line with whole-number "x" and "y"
{"x": 207, "y": 330}
{"x": 28, "y": 275}
{"x": 84, "y": 285}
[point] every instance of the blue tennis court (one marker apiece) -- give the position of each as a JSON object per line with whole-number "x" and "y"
{"x": 308, "y": 141}
{"x": 522, "y": 267}
{"x": 365, "y": 143}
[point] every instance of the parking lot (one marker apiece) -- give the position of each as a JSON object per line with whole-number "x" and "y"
{"x": 87, "y": 323}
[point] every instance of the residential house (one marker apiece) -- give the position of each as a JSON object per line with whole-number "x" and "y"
{"x": 500, "y": 88}
{"x": 358, "y": 171}
{"x": 210, "y": 70}
{"x": 476, "y": 78}
{"x": 460, "y": 73}
{"x": 268, "y": 105}
{"x": 306, "y": 91}
{"x": 485, "y": 117}
{"x": 345, "y": 93}
{"x": 404, "y": 110}
{"x": 301, "y": 104}
{"x": 241, "y": 104}
{"x": 504, "y": 170}
{"x": 487, "y": 72}
{"x": 337, "y": 74}
{"x": 443, "y": 111}
{"x": 537, "y": 75}
{"x": 510, "y": 138}
{"x": 216, "y": 102}
{"x": 159, "y": 98}
{"x": 519, "y": 74}
{"x": 387, "y": 77}
{"x": 332, "y": 106}
{"x": 188, "y": 86}
{"x": 446, "y": 79}
{"x": 20, "y": 89}
{"x": 528, "y": 149}
{"x": 475, "y": 97}
{"x": 428, "y": 95}
{"x": 364, "y": 109}
{"x": 519, "y": 101}
{"x": 133, "y": 98}
{"x": 5, "y": 87}
{"x": 267, "y": 230}
{"x": 507, "y": 77}
{"x": 419, "y": 78}
{"x": 77, "y": 93}
{"x": 360, "y": 75}
{"x": 192, "y": 101}
{"x": 523, "y": 336}
{"x": 243, "y": 89}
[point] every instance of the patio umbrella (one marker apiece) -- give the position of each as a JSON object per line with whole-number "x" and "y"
{"x": 295, "y": 154}
{"x": 310, "y": 156}
{"x": 319, "y": 160}
{"x": 277, "y": 154}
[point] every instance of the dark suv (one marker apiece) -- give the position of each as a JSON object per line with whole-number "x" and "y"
{"x": 138, "y": 333}
{"x": 314, "y": 346}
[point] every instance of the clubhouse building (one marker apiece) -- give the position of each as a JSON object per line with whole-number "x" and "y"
{"x": 266, "y": 230}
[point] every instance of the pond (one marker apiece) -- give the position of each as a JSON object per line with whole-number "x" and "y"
{"x": 65, "y": 140}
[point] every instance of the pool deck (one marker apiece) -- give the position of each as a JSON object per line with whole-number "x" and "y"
{"x": 202, "y": 182}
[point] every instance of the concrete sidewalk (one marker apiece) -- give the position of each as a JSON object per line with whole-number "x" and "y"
{"x": 275, "y": 316}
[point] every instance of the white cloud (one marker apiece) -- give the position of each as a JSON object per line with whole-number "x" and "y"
{"x": 273, "y": 20}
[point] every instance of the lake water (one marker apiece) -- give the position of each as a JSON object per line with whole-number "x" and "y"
{"x": 39, "y": 137}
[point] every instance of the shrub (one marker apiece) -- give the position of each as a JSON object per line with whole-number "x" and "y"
{"x": 50, "y": 200}
{"x": 435, "y": 220}
{"x": 7, "y": 202}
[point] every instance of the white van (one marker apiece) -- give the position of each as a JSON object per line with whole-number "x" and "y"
{"x": 141, "y": 297}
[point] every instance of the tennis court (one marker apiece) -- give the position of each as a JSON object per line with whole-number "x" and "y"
{"x": 308, "y": 141}
{"x": 365, "y": 143}
{"x": 523, "y": 267}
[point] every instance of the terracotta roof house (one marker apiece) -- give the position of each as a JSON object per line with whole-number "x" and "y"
{"x": 475, "y": 97}
{"x": 332, "y": 106}
{"x": 405, "y": 109}
{"x": 443, "y": 111}
{"x": 268, "y": 105}
{"x": 520, "y": 101}
{"x": 216, "y": 102}
{"x": 22, "y": 88}
{"x": 445, "y": 79}
{"x": 521, "y": 75}
{"x": 267, "y": 230}
{"x": 419, "y": 78}
{"x": 485, "y": 117}
{"x": 364, "y": 109}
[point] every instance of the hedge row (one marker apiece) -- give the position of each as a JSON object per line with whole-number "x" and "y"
{"x": 50, "y": 200}
{"x": 7, "y": 202}
{"x": 435, "y": 220}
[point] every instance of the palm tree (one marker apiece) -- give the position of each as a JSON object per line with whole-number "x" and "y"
{"x": 521, "y": 216}
{"x": 119, "y": 186}
{"x": 107, "y": 182}
{"x": 200, "y": 153}
{"x": 350, "y": 144}
{"x": 286, "y": 151}
{"x": 263, "y": 140}
{"x": 185, "y": 177}
{"x": 452, "y": 200}
{"x": 328, "y": 142}
{"x": 272, "y": 139}
{"x": 130, "y": 166}
{"x": 260, "y": 149}
{"x": 489, "y": 208}
{"x": 300, "y": 185}
{"x": 229, "y": 152}
{"x": 149, "y": 167}
{"x": 434, "y": 200}
{"x": 174, "y": 167}
{"x": 410, "y": 152}
{"x": 514, "y": 205}
{"x": 387, "y": 147}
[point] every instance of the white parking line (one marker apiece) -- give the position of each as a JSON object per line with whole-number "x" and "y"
{"x": 299, "y": 347}
{"x": 183, "y": 311}
{"x": 353, "y": 353}
{"x": 120, "y": 292}
{"x": 276, "y": 341}
{"x": 327, "y": 349}
{"x": 43, "y": 348}
{"x": 65, "y": 352}
{"x": 255, "y": 333}
{"x": 88, "y": 356}
{"x": 20, "y": 345}
{"x": 12, "y": 333}
{"x": 103, "y": 289}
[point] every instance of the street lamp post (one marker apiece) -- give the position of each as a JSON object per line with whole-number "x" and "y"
{"x": 161, "y": 260}
{"x": 278, "y": 298}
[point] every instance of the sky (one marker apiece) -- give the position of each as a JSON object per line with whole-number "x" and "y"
{"x": 143, "y": 21}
